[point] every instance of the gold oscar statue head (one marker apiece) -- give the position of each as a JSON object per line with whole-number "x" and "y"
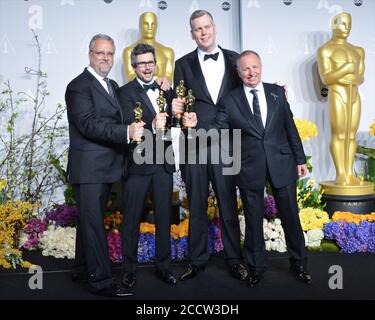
{"x": 341, "y": 68}
{"x": 164, "y": 56}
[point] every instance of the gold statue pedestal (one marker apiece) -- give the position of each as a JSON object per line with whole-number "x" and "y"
{"x": 355, "y": 199}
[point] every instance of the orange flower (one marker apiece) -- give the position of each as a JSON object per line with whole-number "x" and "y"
{"x": 146, "y": 227}
{"x": 351, "y": 217}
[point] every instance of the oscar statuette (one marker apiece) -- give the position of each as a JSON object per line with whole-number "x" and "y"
{"x": 180, "y": 92}
{"x": 161, "y": 133}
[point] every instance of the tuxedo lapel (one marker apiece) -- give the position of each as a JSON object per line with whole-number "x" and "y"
{"x": 198, "y": 74}
{"x": 145, "y": 98}
{"x": 271, "y": 98}
{"x": 228, "y": 65}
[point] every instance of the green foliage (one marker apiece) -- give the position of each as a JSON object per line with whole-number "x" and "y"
{"x": 308, "y": 196}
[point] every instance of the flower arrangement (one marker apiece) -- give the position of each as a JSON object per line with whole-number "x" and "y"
{"x": 351, "y": 217}
{"x": 308, "y": 196}
{"x": 352, "y": 237}
{"x": 63, "y": 215}
{"x": 113, "y": 221}
{"x": 270, "y": 209}
{"x": 306, "y": 129}
{"x": 31, "y": 233}
{"x": 274, "y": 235}
{"x": 13, "y": 216}
{"x": 313, "y": 218}
{"x": 313, "y": 238}
{"x": 59, "y": 242}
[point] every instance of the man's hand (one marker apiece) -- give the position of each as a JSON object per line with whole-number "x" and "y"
{"x": 302, "y": 170}
{"x": 178, "y": 106}
{"x": 160, "y": 121}
{"x": 136, "y": 130}
{"x": 163, "y": 83}
{"x": 189, "y": 120}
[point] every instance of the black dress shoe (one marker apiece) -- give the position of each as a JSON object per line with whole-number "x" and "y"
{"x": 114, "y": 291}
{"x": 239, "y": 271}
{"x": 166, "y": 276}
{"x": 128, "y": 280}
{"x": 254, "y": 278}
{"x": 191, "y": 271}
{"x": 301, "y": 274}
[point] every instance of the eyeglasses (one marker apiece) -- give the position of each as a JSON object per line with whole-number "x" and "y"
{"x": 143, "y": 64}
{"x": 102, "y": 54}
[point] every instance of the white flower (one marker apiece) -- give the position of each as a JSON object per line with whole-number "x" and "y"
{"x": 241, "y": 220}
{"x": 274, "y": 235}
{"x": 22, "y": 239}
{"x": 59, "y": 242}
{"x": 313, "y": 237}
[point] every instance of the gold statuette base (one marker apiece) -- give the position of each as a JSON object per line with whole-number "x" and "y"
{"x": 329, "y": 187}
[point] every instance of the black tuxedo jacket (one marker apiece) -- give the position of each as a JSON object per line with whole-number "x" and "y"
{"x": 128, "y": 95}
{"x": 188, "y": 69}
{"x": 97, "y": 132}
{"x": 279, "y": 149}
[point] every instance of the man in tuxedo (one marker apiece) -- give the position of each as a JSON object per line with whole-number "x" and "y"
{"x": 210, "y": 72}
{"x": 98, "y": 135}
{"x": 271, "y": 150}
{"x": 156, "y": 177}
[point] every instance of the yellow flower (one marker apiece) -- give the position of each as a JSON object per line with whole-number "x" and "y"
{"x": 3, "y": 183}
{"x": 313, "y": 218}
{"x": 306, "y": 129}
{"x": 372, "y": 128}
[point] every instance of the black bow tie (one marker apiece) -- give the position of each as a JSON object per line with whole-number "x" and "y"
{"x": 211, "y": 56}
{"x": 151, "y": 86}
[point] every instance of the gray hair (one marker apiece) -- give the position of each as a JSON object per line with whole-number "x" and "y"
{"x": 247, "y": 53}
{"x": 141, "y": 48}
{"x": 200, "y": 13}
{"x": 103, "y": 37}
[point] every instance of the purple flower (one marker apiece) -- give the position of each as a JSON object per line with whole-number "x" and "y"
{"x": 114, "y": 246}
{"x": 270, "y": 209}
{"x": 352, "y": 237}
{"x": 34, "y": 229}
{"x": 63, "y": 215}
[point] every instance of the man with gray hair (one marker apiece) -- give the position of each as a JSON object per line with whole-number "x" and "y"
{"x": 98, "y": 134}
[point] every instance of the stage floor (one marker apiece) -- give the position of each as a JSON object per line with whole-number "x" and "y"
{"x": 215, "y": 283}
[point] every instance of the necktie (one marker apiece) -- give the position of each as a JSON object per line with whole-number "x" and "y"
{"x": 151, "y": 86}
{"x": 110, "y": 88}
{"x": 211, "y": 56}
{"x": 256, "y": 111}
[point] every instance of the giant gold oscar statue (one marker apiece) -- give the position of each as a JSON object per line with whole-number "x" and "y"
{"x": 164, "y": 56}
{"x": 341, "y": 68}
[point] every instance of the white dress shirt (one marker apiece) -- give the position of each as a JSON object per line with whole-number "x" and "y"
{"x": 98, "y": 77}
{"x": 261, "y": 98}
{"x": 152, "y": 95}
{"x": 213, "y": 71}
